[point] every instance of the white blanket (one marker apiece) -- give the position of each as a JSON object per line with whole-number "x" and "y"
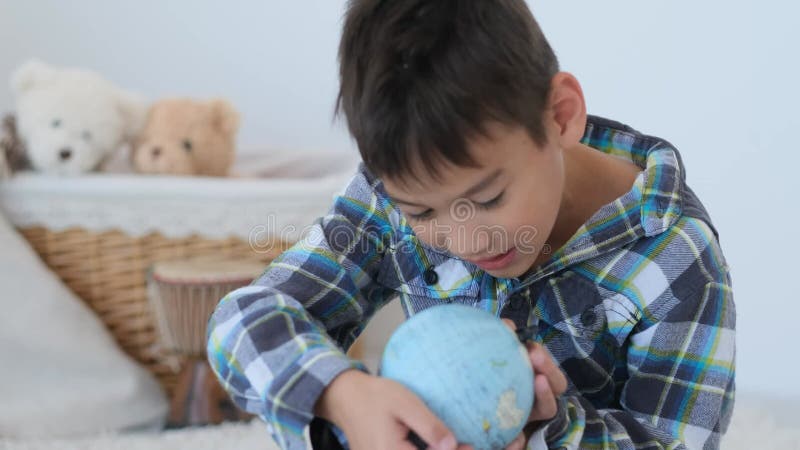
{"x": 61, "y": 371}
{"x": 274, "y": 194}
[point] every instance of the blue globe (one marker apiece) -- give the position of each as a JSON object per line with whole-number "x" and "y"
{"x": 468, "y": 368}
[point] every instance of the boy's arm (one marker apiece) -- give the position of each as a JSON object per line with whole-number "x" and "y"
{"x": 276, "y": 344}
{"x": 680, "y": 390}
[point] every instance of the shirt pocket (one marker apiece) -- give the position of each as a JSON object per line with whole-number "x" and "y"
{"x": 573, "y": 305}
{"x": 593, "y": 313}
{"x": 412, "y": 268}
{"x": 580, "y": 340}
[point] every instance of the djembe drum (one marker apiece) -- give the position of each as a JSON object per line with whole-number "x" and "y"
{"x": 183, "y": 294}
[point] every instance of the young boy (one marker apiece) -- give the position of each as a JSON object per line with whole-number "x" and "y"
{"x": 485, "y": 183}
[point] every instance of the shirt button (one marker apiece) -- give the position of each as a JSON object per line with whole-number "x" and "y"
{"x": 588, "y": 317}
{"x": 430, "y": 276}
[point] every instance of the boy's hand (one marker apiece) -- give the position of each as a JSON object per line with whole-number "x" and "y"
{"x": 377, "y": 413}
{"x": 549, "y": 384}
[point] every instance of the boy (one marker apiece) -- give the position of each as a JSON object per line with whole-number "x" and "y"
{"x": 485, "y": 183}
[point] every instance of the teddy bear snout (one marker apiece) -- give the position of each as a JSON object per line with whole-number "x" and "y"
{"x": 156, "y": 152}
{"x": 65, "y": 153}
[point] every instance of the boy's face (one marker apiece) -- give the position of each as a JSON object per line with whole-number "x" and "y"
{"x": 498, "y": 215}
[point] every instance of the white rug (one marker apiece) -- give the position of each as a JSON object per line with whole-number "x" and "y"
{"x": 754, "y": 427}
{"x": 241, "y": 436}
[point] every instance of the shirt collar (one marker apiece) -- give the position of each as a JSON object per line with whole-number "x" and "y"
{"x": 662, "y": 166}
{"x": 654, "y": 201}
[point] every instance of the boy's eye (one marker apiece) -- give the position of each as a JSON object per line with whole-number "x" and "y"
{"x": 481, "y": 205}
{"x": 491, "y": 203}
{"x": 421, "y": 216}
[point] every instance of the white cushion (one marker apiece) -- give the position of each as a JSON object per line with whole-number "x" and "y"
{"x": 62, "y": 373}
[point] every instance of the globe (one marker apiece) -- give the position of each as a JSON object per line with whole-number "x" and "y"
{"x": 468, "y": 368}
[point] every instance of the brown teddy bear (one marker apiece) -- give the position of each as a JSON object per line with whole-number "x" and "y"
{"x": 13, "y": 157}
{"x": 187, "y": 137}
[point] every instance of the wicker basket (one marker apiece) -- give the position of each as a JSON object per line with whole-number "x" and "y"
{"x": 109, "y": 272}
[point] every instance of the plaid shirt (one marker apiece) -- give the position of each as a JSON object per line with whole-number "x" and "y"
{"x": 637, "y": 308}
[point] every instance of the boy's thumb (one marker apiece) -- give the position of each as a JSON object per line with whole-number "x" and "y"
{"x": 428, "y": 427}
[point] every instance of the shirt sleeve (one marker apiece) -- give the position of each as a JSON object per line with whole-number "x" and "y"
{"x": 680, "y": 390}
{"x": 276, "y": 344}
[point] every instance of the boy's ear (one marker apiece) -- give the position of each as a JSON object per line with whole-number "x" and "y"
{"x": 566, "y": 111}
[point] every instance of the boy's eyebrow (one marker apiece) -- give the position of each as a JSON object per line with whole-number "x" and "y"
{"x": 486, "y": 181}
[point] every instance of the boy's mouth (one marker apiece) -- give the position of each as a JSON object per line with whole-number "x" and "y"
{"x": 496, "y": 262}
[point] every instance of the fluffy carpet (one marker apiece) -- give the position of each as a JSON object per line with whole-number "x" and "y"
{"x": 754, "y": 426}
{"x": 240, "y": 436}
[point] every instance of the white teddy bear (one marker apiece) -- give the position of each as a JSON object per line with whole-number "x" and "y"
{"x": 5, "y": 170}
{"x": 71, "y": 120}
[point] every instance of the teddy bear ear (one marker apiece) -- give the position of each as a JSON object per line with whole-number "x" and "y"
{"x": 133, "y": 110}
{"x": 5, "y": 171}
{"x": 31, "y": 73}
{"x": 225, "y": 116}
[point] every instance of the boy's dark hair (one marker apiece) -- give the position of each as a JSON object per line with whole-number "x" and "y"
{"x": 420, "y": 77}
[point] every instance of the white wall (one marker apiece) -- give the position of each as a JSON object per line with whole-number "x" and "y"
{"x": 275, "y": 60}
{"x": 716, "y": 78}
{"x": 720, "y": 81}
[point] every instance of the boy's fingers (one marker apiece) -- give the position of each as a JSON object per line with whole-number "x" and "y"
{"x": 543, "y": 364}
{"x": 518, "y": 443}
{"x": 510, "y": 324}
{"x": 544, "y": 407}
{"x": 417, "y": 417}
